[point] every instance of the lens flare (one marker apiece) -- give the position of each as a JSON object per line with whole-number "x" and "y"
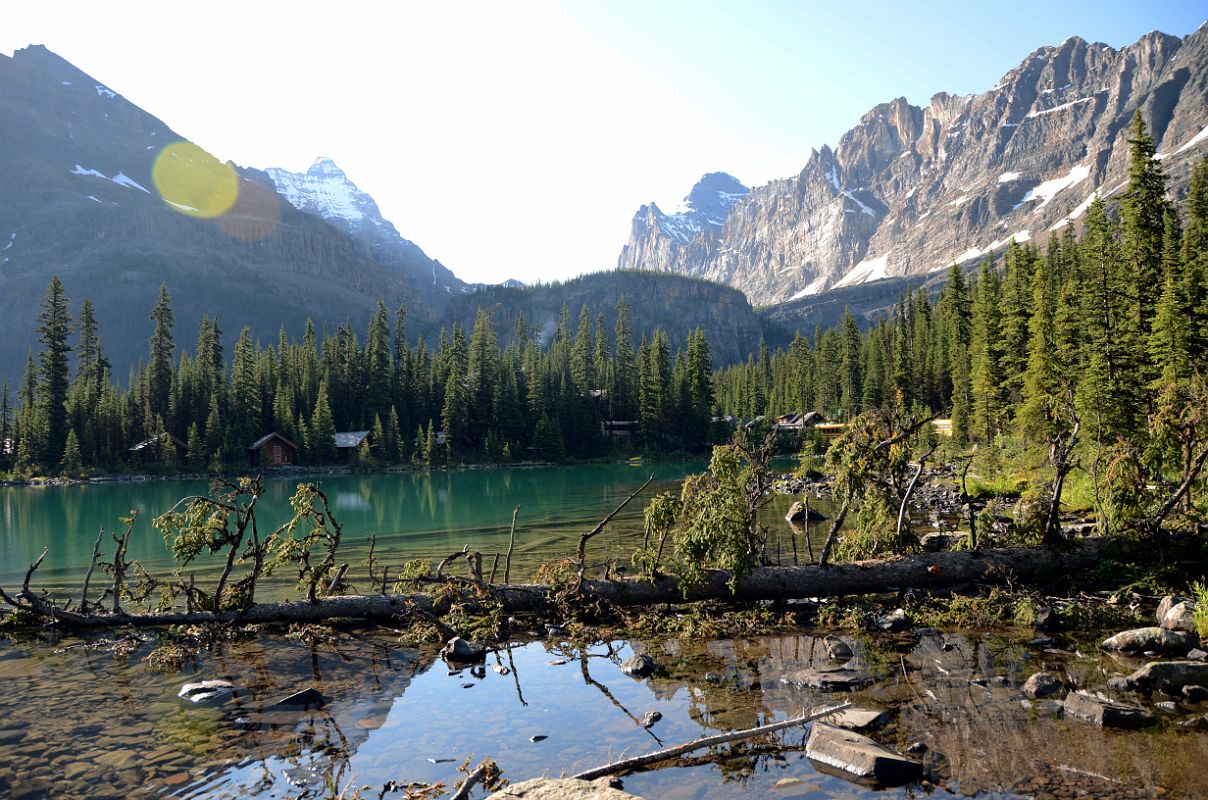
{"x": 255, "y": 215}
{"x": 193, "y": 182}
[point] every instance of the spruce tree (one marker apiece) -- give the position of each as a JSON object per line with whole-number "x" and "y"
{"x": 321, "y": 443}
{"x": 162, "y": 354}
{"x": 1141, "y": 223}
{"x": 54, "y": 327}
{"x": 986, "y": 375}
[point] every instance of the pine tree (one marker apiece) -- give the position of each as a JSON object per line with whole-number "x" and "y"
{"x": 70, "y": 465}
{"x": 986, "y": 377}
{"x": 851, "y": 394}
{"x": 54, "y": 327}
{"x": 1141, "y": 223}
{"x": 1194, "y": 248}
{"x": 197, "y": 453}
{"x": 321, "y": 443}
{"x": 162, "y": 354}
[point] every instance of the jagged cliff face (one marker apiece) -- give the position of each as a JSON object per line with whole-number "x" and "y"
{"x": 911, "y": 190}
{"x": 663, "y": 241}
{"x": 326, "y": 191}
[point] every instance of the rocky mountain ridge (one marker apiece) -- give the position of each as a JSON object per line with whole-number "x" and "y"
{"x": 909, "y": 190}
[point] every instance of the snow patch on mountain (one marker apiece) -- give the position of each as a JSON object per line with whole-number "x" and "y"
{"x": 121, "y": 179}
{"x": 870, "y": 269}
{"x": 704, "y": 208}
{"x": 1046, "y": 191}
{"x": 817, "y": 285}
{"x": 104, "y": 91}
{"x": 1199, "y": 137}
{"x": 86, "y": 171}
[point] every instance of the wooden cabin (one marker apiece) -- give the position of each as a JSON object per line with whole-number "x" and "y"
{"x": 272, "y": 450}
{"x": 830, "y": 431}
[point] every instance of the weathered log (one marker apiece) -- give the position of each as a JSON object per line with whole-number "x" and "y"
{"x": 1019, "y": 565}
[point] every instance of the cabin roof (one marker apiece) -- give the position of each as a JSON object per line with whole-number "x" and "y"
{"x": 350, "y": 438}
{"x": 263, "y": 440}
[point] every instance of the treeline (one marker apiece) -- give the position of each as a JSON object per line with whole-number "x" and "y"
{"x": 464, "y": 399}
{"x": 1110, "y": 328}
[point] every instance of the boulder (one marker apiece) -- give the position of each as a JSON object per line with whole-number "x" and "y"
{"x": 799, "y": 513}
{"x": 895, "y": 621}
{"x": 827, "y": 680}
{"x": 458, "y": 650}
{"x": 938, "y": 541}
{"x": 210, "y": 693}
{"x": 1168, "y": 602}
{"x": 1149, "y": 640}
{"x": 1180, "y": 617}
{"x": 1169, "y": 676}
{"x": 1044, "y": 620}
{"x": 639, "y": 665}
{"x": 837, "y": 649}
{"x": 650, "y": 718}
{"x": 1042, "y": 684}
{"x": 860, "y": 756}
{"x": 1105, "y": 713}
{"x": 1194, "y": 693}
{"x": 560, "y": 789}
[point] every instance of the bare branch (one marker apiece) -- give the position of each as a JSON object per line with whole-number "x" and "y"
{"x": 581, "y": 553}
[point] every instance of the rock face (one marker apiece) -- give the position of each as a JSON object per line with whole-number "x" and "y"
{"x": 560, "y": 789}
{"x": 1145, "y": 640}
{"x": 912, "y": 189}
{"x": 860, "y": 756}
{"x": 658, "y": 238}
{"x": 1105, "y": 713}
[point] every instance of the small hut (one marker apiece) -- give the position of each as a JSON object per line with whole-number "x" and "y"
{"x": 272, "y": 450}
{"x": 347, "y": 443}
{"x": 162, "y": 448}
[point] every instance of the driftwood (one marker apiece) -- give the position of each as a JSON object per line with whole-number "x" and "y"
{"x": 507, "y": 562}
{"x": 581, "y": 553}
{"x": 637, "y": 762}
{"x": 914, "y": 482}
{"x": 925, "y": 571}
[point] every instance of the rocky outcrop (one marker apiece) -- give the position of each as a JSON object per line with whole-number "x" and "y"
{"x": 910, "y": 190}
{"x": 1149, "y": 640}
{"x": 1105, "y": 713}
{"x": 860, "y": 756}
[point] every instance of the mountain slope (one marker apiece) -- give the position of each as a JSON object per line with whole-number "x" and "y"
{"x": 674, "y": 303}
{"x": 909, "y": 190}
{"x": 325, "y": 191}
{"x": 80, "y": 201}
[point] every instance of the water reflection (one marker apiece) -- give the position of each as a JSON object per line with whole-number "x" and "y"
{"x": 82, "y": 721}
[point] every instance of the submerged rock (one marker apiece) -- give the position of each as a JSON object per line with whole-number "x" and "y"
{"x": 1147, "y": 640}
{"x": 1169, "y": 676}
{"x": 799, "y": 513}
{"x": 854, "y": 718}
{"x": 860, "y": 756}
{"x": 304, "y": 699}
{"x": 837, "y": 649}
{"x": 827, "y": 680}
{"x": 1042, "y": 684}
{"x": 1105, "y": 713}
{"x": 560, "y": 789}
{"x": 895, "y": 621}
{"x": 639, "y": 665}
{"x": 459, "y": 651}
{"x": 212, "y": 692}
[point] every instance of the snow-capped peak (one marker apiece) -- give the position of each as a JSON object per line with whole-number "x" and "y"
{"x": 705, "y": 207}
{"x": 324, "y": 190}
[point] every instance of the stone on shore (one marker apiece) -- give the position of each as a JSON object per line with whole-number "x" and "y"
{"x": 1180, "y": 617}
{"x": 458, "y": 650}
{"x": 560, "y": 789}
{"x": 896, "y": 621}
{"x": 1105, "y": 713}
{"x": 854, "y": 718}
{"x": 1150, "y": 640}
{"x": 859, "y": 756}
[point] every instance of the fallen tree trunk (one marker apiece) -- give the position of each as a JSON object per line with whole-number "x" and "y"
{"x": 1020, "y": 565}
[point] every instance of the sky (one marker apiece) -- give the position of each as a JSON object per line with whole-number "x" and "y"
{"x": 518, "y": 139}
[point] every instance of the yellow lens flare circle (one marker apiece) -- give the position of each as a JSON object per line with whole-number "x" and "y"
{"x": 193, "y": 182}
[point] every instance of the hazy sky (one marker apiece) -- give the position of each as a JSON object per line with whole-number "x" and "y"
{"x": 517, "y": 139}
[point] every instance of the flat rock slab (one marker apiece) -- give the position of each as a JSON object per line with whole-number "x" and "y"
{"x": 860, "y": 757}
{"x": 1155, "y": 640}
{"x": 827, "y": 680}
{"x": 1105, "y": 713}
{"x": 855, "y": 719}
{"x": 560, "y": 789}
{"x": 1170, "y": 676}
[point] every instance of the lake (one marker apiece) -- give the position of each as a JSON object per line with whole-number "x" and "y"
{"x": 412, "y": 514}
